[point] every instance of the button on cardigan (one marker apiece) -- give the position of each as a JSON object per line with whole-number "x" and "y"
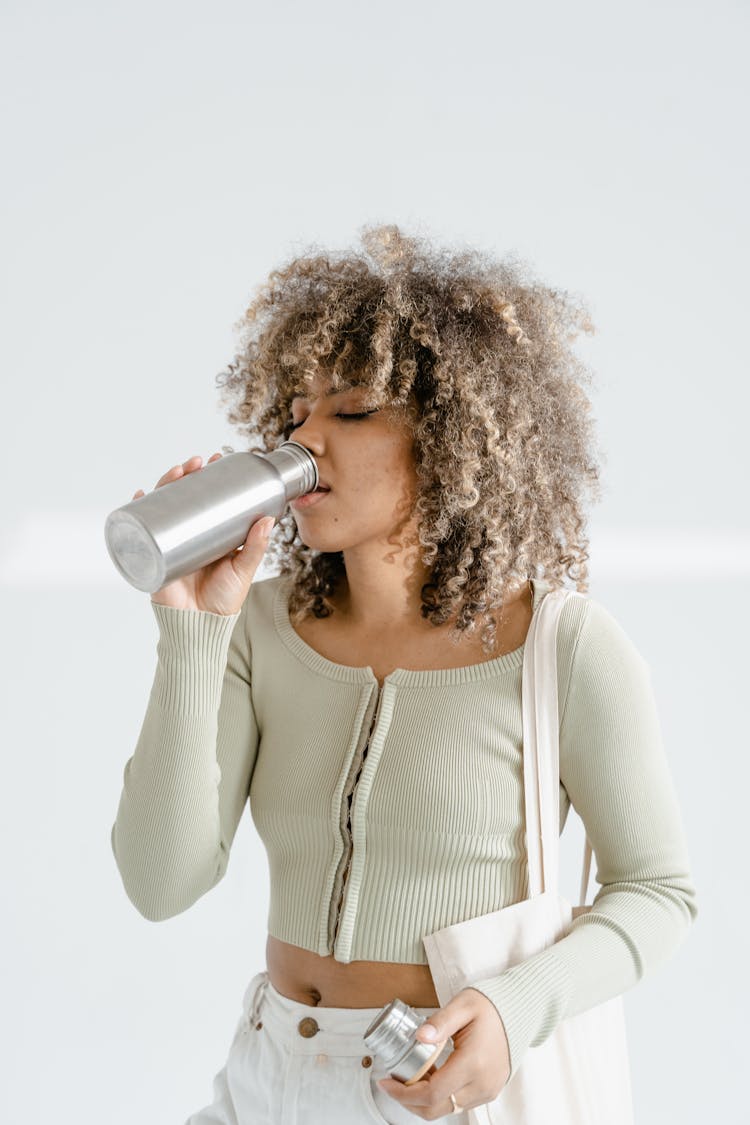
{"x": 428, "y": 824}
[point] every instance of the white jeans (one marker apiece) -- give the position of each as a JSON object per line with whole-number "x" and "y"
{"x": 295, "y": 1064}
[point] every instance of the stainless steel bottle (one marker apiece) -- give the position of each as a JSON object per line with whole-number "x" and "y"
{"x": 392, "y": 1037}
{"x": 192, "y": 521}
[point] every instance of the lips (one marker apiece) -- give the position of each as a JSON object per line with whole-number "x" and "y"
{"x": 310, "y": 498}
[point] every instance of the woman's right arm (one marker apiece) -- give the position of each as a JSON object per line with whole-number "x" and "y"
{"x": 187, "y": 782}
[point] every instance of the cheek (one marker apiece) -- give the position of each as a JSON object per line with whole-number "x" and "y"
{"x": 380, "y": 466}
{"x": 384, "y": 485}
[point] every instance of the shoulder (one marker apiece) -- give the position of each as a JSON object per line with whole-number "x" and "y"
{"x": 597, "y": 658}
{"x": 586, "y": 623}
{"x": 590, "y": 631}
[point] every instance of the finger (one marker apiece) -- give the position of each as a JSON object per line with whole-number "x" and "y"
{"x": 431, "y": 1092}
{"x": 414, "y": 1097}
{"x": 188, "y": 466}
{"x": 441, "y": 1104}
{"x": 248, "y": 558}
{"x": 257, "y": 537}
{"x": 171, "y": 474}
{"x": 178, "y": 470}
{"x": 260, "y": 533}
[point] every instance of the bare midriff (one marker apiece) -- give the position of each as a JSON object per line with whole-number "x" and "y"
{"x": 322, "y": 981}
{"x": 301, "y": 974}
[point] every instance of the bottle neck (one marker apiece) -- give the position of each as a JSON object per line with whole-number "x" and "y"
{"x": 296, "y": 466}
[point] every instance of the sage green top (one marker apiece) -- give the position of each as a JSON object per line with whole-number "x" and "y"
{"x": 414, "y": 793}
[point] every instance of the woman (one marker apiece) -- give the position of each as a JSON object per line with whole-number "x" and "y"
{"x": 367, "y": 698}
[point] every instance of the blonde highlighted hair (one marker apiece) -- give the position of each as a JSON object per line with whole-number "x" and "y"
{"x": 477, "y": 355}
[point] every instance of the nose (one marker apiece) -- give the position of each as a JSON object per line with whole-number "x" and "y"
{"x": 309, "y": 436}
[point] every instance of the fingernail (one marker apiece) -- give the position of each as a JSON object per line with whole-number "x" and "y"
{"x": 428, "y": 1032}
{"x": 266, "y": 525}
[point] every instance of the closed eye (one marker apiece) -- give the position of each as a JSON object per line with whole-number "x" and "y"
{"x": 294, "y": 425}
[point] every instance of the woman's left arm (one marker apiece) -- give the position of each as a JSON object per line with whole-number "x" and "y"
{"x": 614, "y": 768}
{"x": 615, "y": 771}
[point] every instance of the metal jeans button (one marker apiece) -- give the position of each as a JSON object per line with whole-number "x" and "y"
{"x": 308, "y": 1027}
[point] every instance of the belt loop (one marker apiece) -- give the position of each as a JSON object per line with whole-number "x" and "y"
{"x": 258, "y": 999}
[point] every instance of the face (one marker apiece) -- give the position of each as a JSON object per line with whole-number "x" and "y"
{"x": 367, "y": 462}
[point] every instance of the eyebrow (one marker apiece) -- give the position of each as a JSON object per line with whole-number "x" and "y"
{"x": 330, "y": 391}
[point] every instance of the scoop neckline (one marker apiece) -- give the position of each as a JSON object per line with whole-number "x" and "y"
{"x": 406, "y": 677}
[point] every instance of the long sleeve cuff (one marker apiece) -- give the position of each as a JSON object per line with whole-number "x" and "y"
{"x": 595, "y": 961}
{"x": 192, "y": 655}
{"x": 530, "y": 999}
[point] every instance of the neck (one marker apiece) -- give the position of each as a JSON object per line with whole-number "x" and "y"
{"x": 381, "y": 595}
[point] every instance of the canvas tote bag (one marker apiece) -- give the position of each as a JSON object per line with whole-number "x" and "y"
{"x": 580, "y": 1075}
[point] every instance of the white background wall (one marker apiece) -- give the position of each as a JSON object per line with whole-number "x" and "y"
{"x": 161, "y": 159}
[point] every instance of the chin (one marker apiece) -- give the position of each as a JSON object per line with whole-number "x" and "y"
{"x": 323, "y": 543}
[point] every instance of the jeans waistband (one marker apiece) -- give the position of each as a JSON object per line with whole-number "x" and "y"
{"x": 308, "y": 1029}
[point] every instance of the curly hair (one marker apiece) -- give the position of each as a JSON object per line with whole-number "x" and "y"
{"x": 476, "y": 354}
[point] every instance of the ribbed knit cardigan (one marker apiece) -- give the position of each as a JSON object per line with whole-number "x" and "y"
{"x": 416, "y": 791}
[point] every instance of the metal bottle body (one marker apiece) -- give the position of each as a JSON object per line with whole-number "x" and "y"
{"x": 392, "y": 1037}
{"x": 197, "y": 519}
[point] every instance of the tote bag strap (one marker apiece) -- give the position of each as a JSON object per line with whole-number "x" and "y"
{"x": 541, "y": 749}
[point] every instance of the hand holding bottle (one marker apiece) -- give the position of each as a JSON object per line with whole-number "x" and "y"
{"x": 222, "y": 586}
